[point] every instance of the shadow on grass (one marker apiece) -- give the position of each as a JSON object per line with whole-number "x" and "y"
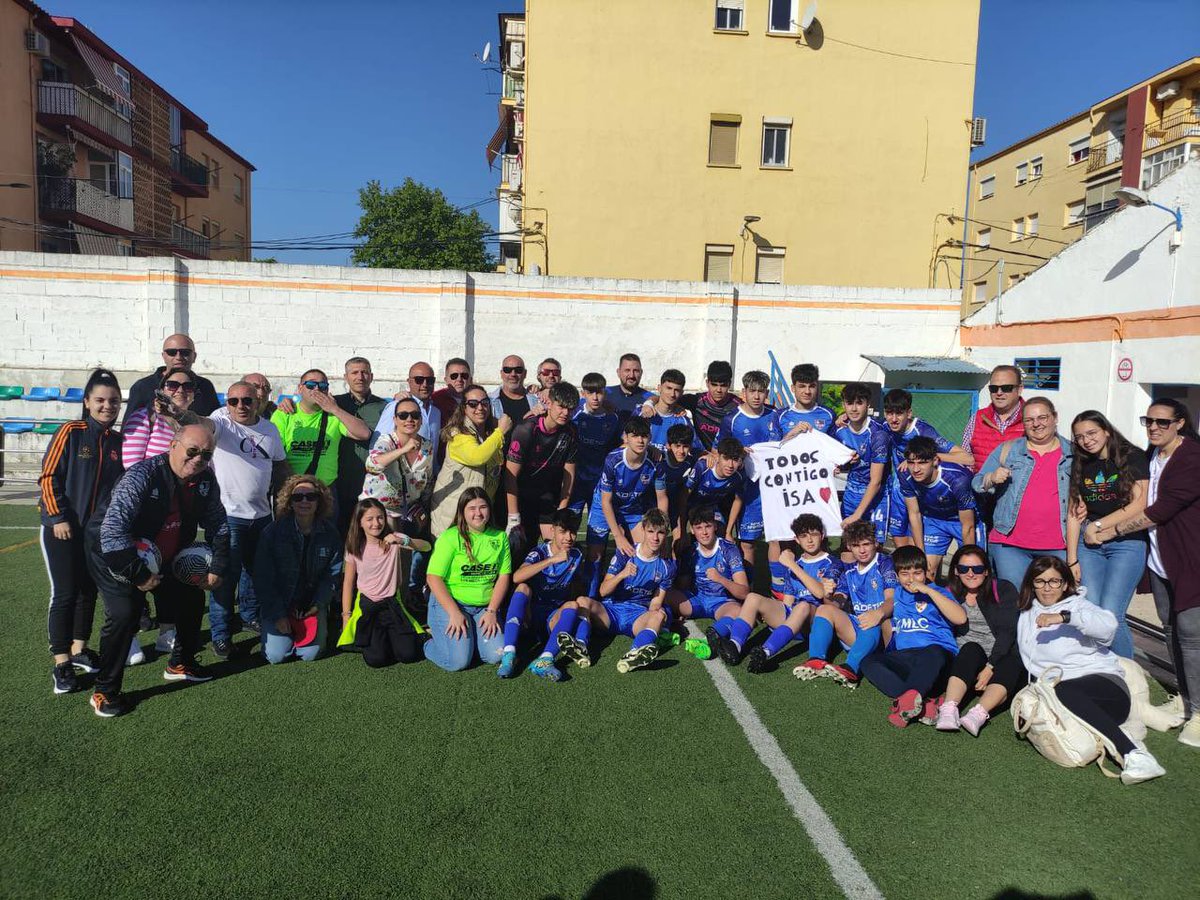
{"x": 625, "y": 883}
{"x": 1014, "y": 893}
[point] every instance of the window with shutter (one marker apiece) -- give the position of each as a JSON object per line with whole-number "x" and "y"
{"x": 722, "y": 142}
{"x": 1077, "y": 150}
{"x": 1074, "y": 213}
{"x": 729, "y": 15}
{"x": 770, "y": 266}
{"x": 987, "y": 187}
{"x": 718, "y": 262}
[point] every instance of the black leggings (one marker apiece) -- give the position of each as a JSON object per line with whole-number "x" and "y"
{"x": 1102, "y": 701}
{"x": 72, "y": 590}
{"x": 1008, "y": 671}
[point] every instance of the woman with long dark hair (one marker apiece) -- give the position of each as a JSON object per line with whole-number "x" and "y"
{"x": 80, "y": 467}
{"x": 1109, "y": 480}
{"x": 474, "y": 441}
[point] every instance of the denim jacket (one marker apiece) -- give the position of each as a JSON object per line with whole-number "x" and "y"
{"x": 1019, "y": 461}
{"x": 277, "y": 565}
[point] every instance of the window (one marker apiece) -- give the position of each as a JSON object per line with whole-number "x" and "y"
{"x": 122, "y": 105}
{"x": 214, "y": 229}
{"x": 723, "y": 141}
{"x": 1099, "y": 203}
{"x": 783, "y": 16}
{"x": 124, "y": 175}
{"x": 1035, "y": 168}
{"x": 1031, "y": 224}
{"x": 1022, "y": 172}
{"x": 1041, "y": 373}
{"x": 176, "y": 127}
{"x": 1158, "y": 166}
{"x": 205, "y": 228}
{"x": 1074, "y": 214}
{"x": 718, "y": 262}
{"x": 214, "y": 173}
{"x": 176, "y": 213}
{"x": 777, "y": 134}
{"x": 238, "y": 187}
{"x": 1018, "y": 230}
{"x": 987, "y": 187}
{"x": 979, "y": 292}
{"x": 983, "y": 237}
{"x": 102, "y": 172}
{"x": 729, "y": 15}
{"x": 770, "y": 265}
{"x": 52, "y": 71}
{"x": 1014, "y": 280}
{"x": 239, "y": 242}
{"x": 1077, "y": 150}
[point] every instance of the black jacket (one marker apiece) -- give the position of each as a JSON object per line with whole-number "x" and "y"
{"x": 1001, "y": 618}
{"x": 140, "y": 504}
{"x": 203, "y": 404}
{"x": 80, "y": 467}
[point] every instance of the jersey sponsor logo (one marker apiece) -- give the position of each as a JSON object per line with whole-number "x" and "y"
{"x": 252, "y": 448}
{"x": 309, "y": 446}
{"x": 912, "y": 623}
{"x": 85, "y": 452}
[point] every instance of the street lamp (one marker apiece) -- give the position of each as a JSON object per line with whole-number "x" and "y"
{"x": 1137, "y": 197}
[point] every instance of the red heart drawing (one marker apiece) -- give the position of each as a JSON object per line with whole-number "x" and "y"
{"x": 826, "y": 494}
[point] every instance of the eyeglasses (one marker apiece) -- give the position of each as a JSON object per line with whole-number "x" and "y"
{"x": 1048, "y": 582}
{"x": 305, "y": 496}
{"x": 193, "y": 452}
{"x": 1037, "y": 420}
{"x": 1002, "y": 388}
{"x": 475, "y": 404}
{"x": 546, "y": 373}
{"x": 407, "y": 414}
{"x": 240, "y": 401}
{"x": 421, "y": 379}
{"x": 513, "y": 370}
{"x": 457, "y": 376}
{"x": 188, "y": 387}
{"x": 316, "y": 385}
{"x": 1147, "y": 421}
{"x": 963, "y": 569}
{"x": 178, "y": 351}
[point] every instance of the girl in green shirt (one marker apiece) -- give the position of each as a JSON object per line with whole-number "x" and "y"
{"x": 469, "y": 575}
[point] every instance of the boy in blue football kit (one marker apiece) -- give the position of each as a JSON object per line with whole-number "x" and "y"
{"x": 941, "y": 504}
{"x": 752, "y": 424}
{"x": 720, "y": 486}
{"x": 598, "y": 433}
{"x": 634, "y": 592}
{"x": 666, "y": 411}
{"x": 923, "y": 620}
{"x": 549, "y": 580}
{"x": 676, "y": 463}
{"x": 807, "y": 413}
{"x": 863, "y": 594}
{"x": 716, "y": 581}
{"x": 867, "y": 472}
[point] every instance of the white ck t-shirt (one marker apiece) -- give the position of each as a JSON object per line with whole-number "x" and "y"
{"x": 796, "y": 477}
{"x": 1154, "y": 561}
{"x": 243, "y": 461}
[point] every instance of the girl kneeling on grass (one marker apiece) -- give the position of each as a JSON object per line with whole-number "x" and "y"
{"x": 469, "y": 574}
{"x": 373, "y": 616}
{"x": 1060, "y": 629}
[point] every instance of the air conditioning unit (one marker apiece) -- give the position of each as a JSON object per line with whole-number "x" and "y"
{"x": 1167, "y": 91}
{"x": 978, "y": 131}
{"x": 516, "y": 54}
{"x": 36, "y": 43}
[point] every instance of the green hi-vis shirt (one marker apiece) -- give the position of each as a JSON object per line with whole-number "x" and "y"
{"x": 471, "y": 583}
{"x": 299, "y": 432}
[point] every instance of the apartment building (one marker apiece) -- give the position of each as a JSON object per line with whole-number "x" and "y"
{"x": 1043, "y": 193}
{"x": 97, "y": 157}
{"x": 734, "y": 140}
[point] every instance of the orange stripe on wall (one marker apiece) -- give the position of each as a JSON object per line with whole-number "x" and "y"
{"x": 1182, "y": 321}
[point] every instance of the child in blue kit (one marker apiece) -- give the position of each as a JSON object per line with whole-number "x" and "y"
{"x": 753, "y": 424}
{"x": 634, "y": 592}
{"x": 599, "y": 433}
{"x": 861, "y": 598}
{"x": 718, "y": 485}
{"x": 550, "y": 580}
{"x": 677, "y": 460}
{"x": 940, "y": 502}
{"x": 866, "y": 474}
{"x": 715, "y": 581}
{"x": 922, "y": 646}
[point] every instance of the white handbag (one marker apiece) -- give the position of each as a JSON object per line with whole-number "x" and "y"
{"x": 1057, "y": 733}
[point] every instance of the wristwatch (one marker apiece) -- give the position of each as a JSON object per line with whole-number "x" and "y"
{"x": 1066, "y": 616}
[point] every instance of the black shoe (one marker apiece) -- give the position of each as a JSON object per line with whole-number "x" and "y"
{"x": 86, "y": 659}
{"x": 64, "y": 678}
{"x": 109, "y": 705}
{"x": 714, "y": 640}
{"x": 253, "y": 627}
{"x": 222, "y": 649}
{"x": 758, "y": 661}
{"x": 186, "y": 671}
{"x": 730, "y": 652}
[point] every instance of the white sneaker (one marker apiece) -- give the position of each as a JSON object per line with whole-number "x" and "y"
{"x": 1190, "y": 734}
{"x": 166, "y": 639}
{"x": 1140, "y": 766}
{"x": 136, "y": 654}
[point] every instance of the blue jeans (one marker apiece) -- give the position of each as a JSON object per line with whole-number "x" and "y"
{"x": 278, "y": 647}
{"x": 455, "y": 654}
{"x": 418, "y": 590}
{"x": 243, "y": 543}
{"x": 1111, "y": 573}
{"x": 1010, "y": 563}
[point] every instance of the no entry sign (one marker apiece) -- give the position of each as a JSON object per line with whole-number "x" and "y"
{"x": 1125, "y": 368}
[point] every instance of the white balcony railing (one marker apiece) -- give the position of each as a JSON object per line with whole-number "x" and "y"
{"x": 76, "y": 195}
{"x": 510, "y": 171}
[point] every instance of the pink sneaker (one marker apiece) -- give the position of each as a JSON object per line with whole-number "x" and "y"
{"x": 947, "y": 717}
{"x": 905, "y": 708}
{"x": 974, "y": 720}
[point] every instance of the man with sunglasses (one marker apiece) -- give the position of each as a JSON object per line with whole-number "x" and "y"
{"x": 177, "y": 350}
{"x": 163, "y": 500}
{"x": 511, "y": 398}
{"x": 420, "y": 388}
{"x": 307, "y": 451}
{"x": 457, "y": 377}
{"x": 549, "y": 373}
{"x": 991, "y": 426}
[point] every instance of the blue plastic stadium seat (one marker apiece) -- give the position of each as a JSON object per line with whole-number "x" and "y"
{"x": 73, "y": 395}
{"x": 42, "y": 394}
{"x": 18, "y": 427}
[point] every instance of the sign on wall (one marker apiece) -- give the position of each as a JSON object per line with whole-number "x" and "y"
{"x": 1125, "y": 368}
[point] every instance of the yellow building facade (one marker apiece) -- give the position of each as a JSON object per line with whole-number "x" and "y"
{"x": 1038, "y": 196}
{"x": 639, "y": 139}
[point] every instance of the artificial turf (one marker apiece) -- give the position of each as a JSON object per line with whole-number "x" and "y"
{"x": 333, "y": 780}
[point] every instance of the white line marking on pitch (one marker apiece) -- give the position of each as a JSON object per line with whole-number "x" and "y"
{"x": 19, "y": 527}
{"x": 851, "y": 877}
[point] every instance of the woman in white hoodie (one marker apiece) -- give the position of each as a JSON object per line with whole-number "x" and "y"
{"x": 1059, "y": 628}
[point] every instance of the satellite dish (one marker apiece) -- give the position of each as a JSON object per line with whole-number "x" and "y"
{"x": 487, "y": 52}
{"x": 810, "y": 13}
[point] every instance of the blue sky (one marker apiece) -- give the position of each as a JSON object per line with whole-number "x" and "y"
{"x": 324, "y": 96}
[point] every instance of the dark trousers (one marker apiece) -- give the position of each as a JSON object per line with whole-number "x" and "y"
{"x": 1008, "y": 672}
{"x": 1182, "y": 632}
{"x": 72, "y": 590}
{"x": 1102, "y": 701}
{"x": 123, "y": 605}
{"x": 386, "y": 635}
{"x": 919, "y": 669}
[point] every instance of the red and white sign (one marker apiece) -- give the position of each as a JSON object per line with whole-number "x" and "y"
{"x": 1125, "y": 368}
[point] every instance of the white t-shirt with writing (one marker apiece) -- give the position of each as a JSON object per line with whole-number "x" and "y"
{"x": 796, "y": 477}
{"x": 243, "y": 461}
{"x": 1154, "y": 560}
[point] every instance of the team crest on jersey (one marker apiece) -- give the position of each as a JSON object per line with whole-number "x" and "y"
{"x": 202, "y": 488}
{"x": 85, "y": 452}
{"x": 874, "y": 584}
{"x": 921, "y": 604}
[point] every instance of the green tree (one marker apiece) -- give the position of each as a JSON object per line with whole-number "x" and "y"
{"x": 415, "y": 227}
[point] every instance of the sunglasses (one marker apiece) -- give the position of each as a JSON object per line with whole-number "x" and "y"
{"x": 1048, "y": 582}
{"x": 193, "y": 452}
{"x": 513, "y": 370}
{"x": 475, "y": 404}
{"x": 178, "y": 351}
{"x": 962, "y": 569}
{"x": 546, "y": 373}
{"x": 405, "y": 415}
{"x": 1002, "y": 388}
{"x": 1147, "y": 421}
{"x": 458, "y": 376}
{"x": 305, "y": 496}
{"x": 187, "y": 387}
{"x": 240, "y": 401}
{"x": 316, "y": 385}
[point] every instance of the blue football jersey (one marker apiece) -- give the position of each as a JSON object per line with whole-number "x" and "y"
{"x": 704, "y": 487}
{"x": 724, "y": 557}
{"x": 554, "y": 581}
{"x": 873, "y": 445}
{"x": 821, "y": 418}
{"x": 945, "y": 496}
{"x": 823, "y": 566}
{"x": 661, "y": 424}
{"x": 643, "y": 585}
{"x": 865, "y": 587}
{"x": 750, "y": 429}
{"x": 629, "y": 484}
{"x": 917, "y": 622}
{"x": 916, "y": 429}
{"x": 625, "y": 404}
{"x": 598, "y": 434}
